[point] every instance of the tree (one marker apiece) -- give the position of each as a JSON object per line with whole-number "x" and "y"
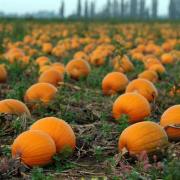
{"x": 122, "y": 8}
{"x": 61, "y": 12}
{"x": 172, "y": 9}
{"x": 86, "y": 9}
{"x": 108, "y": 8}
{"x": 92, "y": 11}
{"x": 142, "y": 9}
{"x": 79, "y": 9}
{"x": 115, "y": 9}
{"x": 133, "y": 8}
{"x": 154, "y": 9}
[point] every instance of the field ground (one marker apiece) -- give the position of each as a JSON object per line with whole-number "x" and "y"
{"x": 83, "y": 105}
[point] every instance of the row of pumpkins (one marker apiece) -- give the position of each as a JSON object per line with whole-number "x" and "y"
{"x": 51, "y": 135}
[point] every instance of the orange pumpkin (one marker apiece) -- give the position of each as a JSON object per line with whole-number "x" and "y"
{"x": 170, "y": 120}
{"x": 60, "y": 131}
{"x": 114, "y": 82}
{"x": 3, "y": 74}
{"x": 81, "y": 55}
{"x": 35, "y": 148}
{"x": 143, "y": 136}
{"x": 132, "y": 104}
{"x": 47, "y": 48}
{"x": 149, "y": 75}
{"x": 78, "y": 68}
{"x": 51, "y": 76}
{"x": 143, "y": 87}
{"x": 58, "y": 67}
{"x": 41, "y": 61}
{"x": 167, "y": 58}
{"x": 13, "y": 106}
{"x": 159, "y": 68}
{"x": 43, "y": 92}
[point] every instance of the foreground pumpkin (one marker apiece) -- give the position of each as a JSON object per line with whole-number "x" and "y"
{"x": 35, "y": 148}
{"x": 78, "y": 68}
{"x": 114, "y": 82}
{"x": 43, "y": 92}
{"x": 59, "y": 130}
{"x": 3, "y": 74}
{"x": 143, "y": 87}
{"x": 170, "y": 120}
{"x": 149, "y": 75}
{"x": 51, "y": 76}
{"x": 132, "y": 104}
{"x": 143, "y": 136}
{"x": 13, "y": 106}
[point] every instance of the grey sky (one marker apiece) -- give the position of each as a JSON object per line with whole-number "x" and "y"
{"x": 23, "y": 6}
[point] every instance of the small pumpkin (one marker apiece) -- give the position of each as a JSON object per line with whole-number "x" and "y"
{"x": 43, "y": 92}
{"x": 114, "y": 82}
{"x": 159, "y": 68}
{"x": 143, "y": 87}
{"x": 43, "y": 60}
{"x": 78, "y": 68}
{"x": 59, "y": 130}
{"x": 170, "y": 120}
{"x": 3, "y": 73}
{"x": 51, "y": 76}
{"x": 167, "y": 58}
{"x": 143, "y": 136}
{"x": 149, "y": 75}
{"x": 13, "y": 106}
{"x": 35, "y": 148}
{"x": 132, "y": 104}
{"x": 47, "y": 48}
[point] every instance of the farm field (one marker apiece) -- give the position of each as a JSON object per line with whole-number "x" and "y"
{"x": 112, "y": 89}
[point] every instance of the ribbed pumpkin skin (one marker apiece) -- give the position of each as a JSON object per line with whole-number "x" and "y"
{"x": 143, "y": 136}
{"x": 35, "y": 148}
{"x": 132, "y": 104}
{"x": 13, "y": 106}
{"x": 59, "y": 130}
{"x": 43, "y": 60}
{"x": 149, "y": 75}
{"x": 143, "y": 87}
{"x": 78, "y": 68}
{"x": 171, "y": 117}
{"x": 3, "y": 74}
{"x": 114, "y": 82}
{"x": 51, "y": 76}
{"x": 44, "y": 92}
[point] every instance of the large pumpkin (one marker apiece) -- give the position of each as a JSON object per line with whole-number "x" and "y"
{"x": 132, "y": 104}
{"x": 43, "y": 92}
{"x": 59, "y": 130}
{"x": 143, "y": 87}
{"x": 78, "y": 68}
{"x": 13, "y": 106}
{"x": 114, "y": 82}
{"x": 35, "y": 148}
{"x": 149, "y": 75}
{"x": 170, "y": 120}
{"x": 143, "y": 136}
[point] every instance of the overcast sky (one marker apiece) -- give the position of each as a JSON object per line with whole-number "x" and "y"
{"x": 24, "y": 6}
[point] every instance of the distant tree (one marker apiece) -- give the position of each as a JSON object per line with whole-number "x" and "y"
{"x": 133, "y": 8}
{"x": 62, "y": 9}
{"x": 86, "y": 9}
{"x": 115, "y": 9}
{"x": 142, "y": 9}
{"x": 92, "y": 10}
{"x": 122, "y": 8}
{"x": 79, "y": 9}
{"x": 172, "y": 9}
{"x": 154, "y": 8}
{"x": 108, "y": 9}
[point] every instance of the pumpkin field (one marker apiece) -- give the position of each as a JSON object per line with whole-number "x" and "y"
{"x": 89, "y": 100}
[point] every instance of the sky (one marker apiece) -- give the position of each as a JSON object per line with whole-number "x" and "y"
{"x": 30, "y": 6}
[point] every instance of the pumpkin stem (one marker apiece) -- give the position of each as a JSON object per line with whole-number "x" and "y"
{"x": 124, "y": 151}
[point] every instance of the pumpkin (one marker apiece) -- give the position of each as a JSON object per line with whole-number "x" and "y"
{"x": 60, "y": 131}
{"x": 43, "y": 60}
{"x": 114, "y": 82}
{"x": 58, "y": 67}
{"x": 43, "y": 92}
{"x": 170, "y": 120}
{"x": 143, "y": 136}
{"x": 132, "y": 104}
{"x": 35, "y": 148}
{"x": 159, "y": 68}
{"x": 143, "y": 87}
{"x": 13, "y": 106}
{"x": 81, "y": 55}
{"x": 78, "y": 68}
{"x": 51, "y": 76}
{"x": 149, "y": 75}
{"x": 44, "y": 68}
{"x": 47, "y": 48}
{"x": 3, "y": 74}
{"x": 167, "y": 58}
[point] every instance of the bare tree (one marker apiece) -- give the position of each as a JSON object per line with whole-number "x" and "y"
{"x": 62, "y": 9}
{"x": 142, "y": 9}
{"x": 92, "y": 11}
{"x": 115, "y": 9}
{"x": 133, "y": 9}
{"x": 154, "y": 8}
{"x": 122, "y": 8}
{"x": 79, "y": 9}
